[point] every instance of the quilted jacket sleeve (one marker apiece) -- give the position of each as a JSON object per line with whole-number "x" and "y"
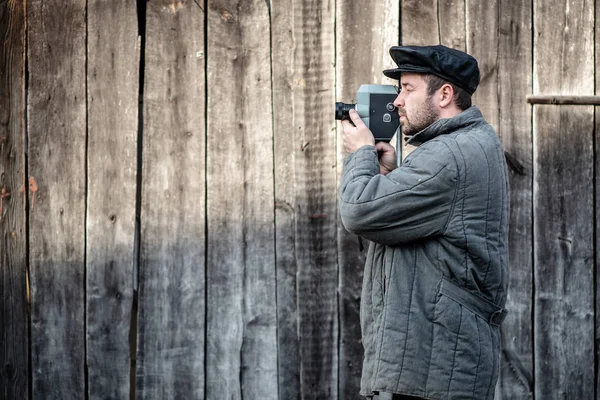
{"x": 412, "y": 202}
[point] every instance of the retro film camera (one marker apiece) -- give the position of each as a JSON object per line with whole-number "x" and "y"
{"x": 374, "y": 104}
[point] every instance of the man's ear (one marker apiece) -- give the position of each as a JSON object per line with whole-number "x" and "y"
{"x": 446, "y": 95}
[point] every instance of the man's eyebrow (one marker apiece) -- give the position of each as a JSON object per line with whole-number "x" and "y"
{"x": 406, "y": 84}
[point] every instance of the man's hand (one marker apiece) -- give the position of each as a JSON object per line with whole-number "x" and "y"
{"x": 387, "y": 157}
{"x": 357, "y": 135}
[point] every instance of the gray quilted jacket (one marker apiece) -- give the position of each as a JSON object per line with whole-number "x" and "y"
{"x": 436, "y": 273}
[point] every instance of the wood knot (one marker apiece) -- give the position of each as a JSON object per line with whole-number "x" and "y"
{"x": 226, "y": 15}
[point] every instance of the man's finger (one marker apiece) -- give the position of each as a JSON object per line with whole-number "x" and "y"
{"x": 356, "y": 119}
{"x": 346, "y": 124}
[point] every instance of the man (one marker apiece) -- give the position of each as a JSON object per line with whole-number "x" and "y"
{"x": 436, "y": 274}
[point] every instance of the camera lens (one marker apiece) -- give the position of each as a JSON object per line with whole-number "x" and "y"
{"x": 342, "y": 110}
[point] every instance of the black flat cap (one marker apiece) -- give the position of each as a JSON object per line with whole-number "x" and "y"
{"x": 453, "y": 65}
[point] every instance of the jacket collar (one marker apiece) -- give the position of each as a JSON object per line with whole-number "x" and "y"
{"x": 446, "y": 125}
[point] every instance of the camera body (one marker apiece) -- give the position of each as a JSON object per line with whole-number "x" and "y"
{"x": 375, "y": 105}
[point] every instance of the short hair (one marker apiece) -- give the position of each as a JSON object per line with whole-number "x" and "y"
{"x": 461, "y": 97}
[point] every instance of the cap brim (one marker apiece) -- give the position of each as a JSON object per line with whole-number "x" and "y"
{"x": 393, "y": 73}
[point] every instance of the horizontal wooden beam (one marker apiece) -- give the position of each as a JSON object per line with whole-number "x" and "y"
{"x": 556, "y": 99}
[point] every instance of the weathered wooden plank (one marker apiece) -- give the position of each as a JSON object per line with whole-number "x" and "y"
{"x": 171, "y": 319}
{"x": 241, "y": 276}
{"x": 305, "y": 145}
{"x": 419, "y": 22}
{"x": 482, "y": 43}
{"x": 56, "y": 137}
{"x": 452, "y": 32}
{"x": 362, "y": 55}
{"x": 112, "y": 84}
{"x": 597, "y": 185}
{"x": 285, "y": 145}
{"x": 14, "y": 351}
{"x": 563, "y": 235}
{"x": 515, "y": 50}
{"x": 563, "y": 202}
{"x": 433, "y": 22}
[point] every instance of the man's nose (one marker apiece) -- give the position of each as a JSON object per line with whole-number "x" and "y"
{"x": 398, "y": 102}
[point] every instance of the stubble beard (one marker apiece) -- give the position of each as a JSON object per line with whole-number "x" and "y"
{"x": 422, "y": 117}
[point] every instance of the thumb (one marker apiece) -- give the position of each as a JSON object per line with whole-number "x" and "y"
{"x": 356, "y": 119}
{"x": 384, "y": 147}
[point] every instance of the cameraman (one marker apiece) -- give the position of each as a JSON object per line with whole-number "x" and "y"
{"x": 436, "y": 273}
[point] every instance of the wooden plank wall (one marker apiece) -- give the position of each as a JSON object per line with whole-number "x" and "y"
{"x": 14, "y": 327}
{"x": 112, "y": 112}
{"x": 514, "y": 83}
{"x": 305, "y": 141}
{"x": 169, "y": 192}
{"x": 563, "y": 171}
{"x": 284, "y": 89}
{"x": 596, "y": 183}
{"x": 56, "y": 166}
{"x": 171, "y": 270}
{"x": 241, "y": 281}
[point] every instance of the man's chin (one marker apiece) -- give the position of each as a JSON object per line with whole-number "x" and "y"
{"x": 407, "y": 130}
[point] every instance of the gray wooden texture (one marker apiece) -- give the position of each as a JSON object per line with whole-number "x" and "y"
{"x": 56, "y": 126}
{"x": 514, "y": 60}
{"x": 365, "y": 32}
{"x": 304, "y": 76}
{"x": 285, "y": 145}
{"x": 14, "y": 354}
{"x": 451, "y": 27}
{"x": 112, "y": 97}
{"x": 241, "y": 285}
{"x": 171, "y": 319}
{"x": 563, "y": 58}
{"x": 514, "y": 82}
{"x": 597, "y": 186}
{"x": 419, "y": 22}
{"x": 433, "y": 22}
